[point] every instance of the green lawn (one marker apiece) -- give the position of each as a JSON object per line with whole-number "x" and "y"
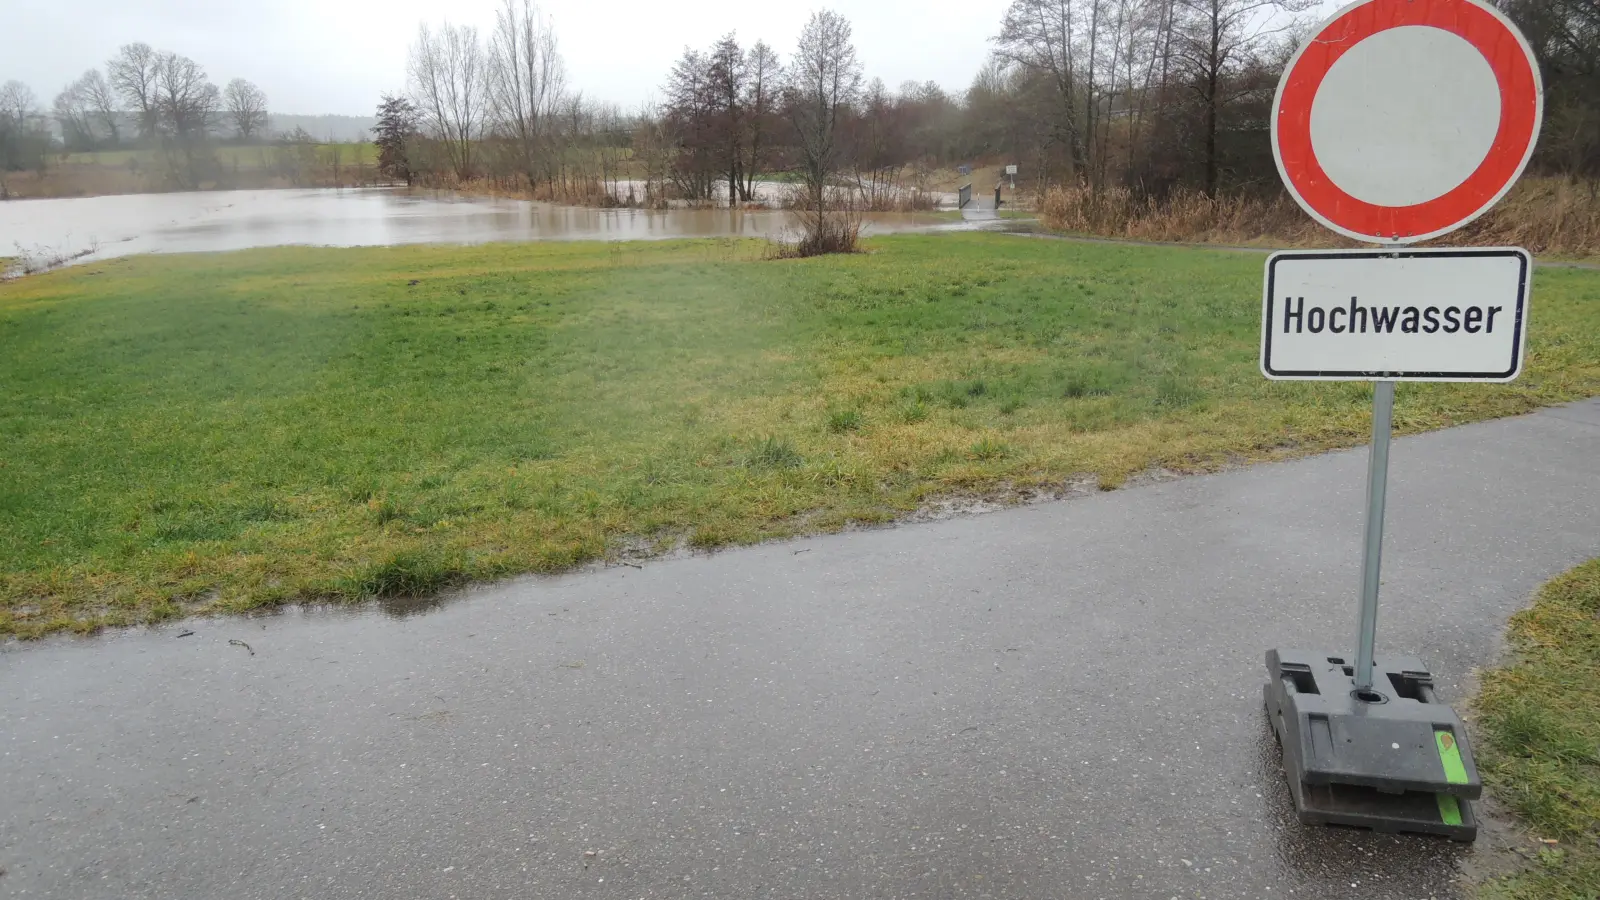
{"x": 231, "y": 431}
{"x": 1539, "y": 741}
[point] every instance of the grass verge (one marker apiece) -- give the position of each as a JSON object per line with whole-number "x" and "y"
{"x": 225, "y": 432}
{"x": 1539, "y": 728}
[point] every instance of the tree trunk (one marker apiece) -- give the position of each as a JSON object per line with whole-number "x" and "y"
{"x": 1212, "y": 75}
{"x": 1211, "y": 141}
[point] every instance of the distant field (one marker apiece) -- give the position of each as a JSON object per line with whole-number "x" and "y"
{"x": 252, "y": 167}
{"x": 227, "y": 154}
{"x": 232, "y": 431}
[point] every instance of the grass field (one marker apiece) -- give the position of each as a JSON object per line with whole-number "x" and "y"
{"x": 1540, "y": 738}
{"x": 237, "y": 168}
{"x": 232, "y": 431}
{"x": 228, "y": 155}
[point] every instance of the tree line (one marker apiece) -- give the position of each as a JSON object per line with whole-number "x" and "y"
{"x": 1149, "y": 97}
{"x": 500, "y": 109}
{"x": 1565, "y": 36}
{"x": 142, "y": 98}
{"x": 1159, "y": 95}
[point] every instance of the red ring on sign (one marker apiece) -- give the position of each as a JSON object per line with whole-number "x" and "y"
{"x": 1519, "y": 103}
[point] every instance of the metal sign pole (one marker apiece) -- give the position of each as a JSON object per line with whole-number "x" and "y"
{"x": 1372, "y": 529}
{"x": 1357, "y": 315}
{"x": 1372, "y": 535}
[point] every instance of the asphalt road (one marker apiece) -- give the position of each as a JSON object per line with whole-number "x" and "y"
{"x": 1055, "y": 701}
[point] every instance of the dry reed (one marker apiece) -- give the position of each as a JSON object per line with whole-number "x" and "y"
{"x": 1546, "y": 215}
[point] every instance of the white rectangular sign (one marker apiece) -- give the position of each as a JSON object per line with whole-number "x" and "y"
{"x": 1011, "y": 170}
{"x": 1396, "y": 315}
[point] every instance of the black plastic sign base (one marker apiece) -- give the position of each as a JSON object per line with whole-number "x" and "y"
{"x": 1392, "y": 759}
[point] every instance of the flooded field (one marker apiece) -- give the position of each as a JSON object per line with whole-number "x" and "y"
{"x": 102, "y": 227}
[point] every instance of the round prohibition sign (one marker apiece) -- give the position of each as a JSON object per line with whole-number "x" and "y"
{"x": 1402, "y": 120}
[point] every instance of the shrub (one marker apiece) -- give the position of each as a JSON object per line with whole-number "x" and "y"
{"x": 988, "y": 448}
{"x": 773, "y": 452}
{"x": 842, "y": 420}
{"x": 837, "y": 231}
{"x": 404, "y": 573}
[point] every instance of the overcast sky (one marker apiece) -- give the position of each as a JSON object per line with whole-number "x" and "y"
{"x": 337, "y": 56}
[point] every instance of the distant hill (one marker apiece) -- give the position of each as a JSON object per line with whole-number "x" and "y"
{"x": 327, "y": 128}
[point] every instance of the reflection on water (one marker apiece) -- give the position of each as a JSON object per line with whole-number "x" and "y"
{"x": 408, "y": 606}
{"x": 234, "y": 220}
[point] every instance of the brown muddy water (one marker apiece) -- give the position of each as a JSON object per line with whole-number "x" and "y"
{"x": 105, "y": 227}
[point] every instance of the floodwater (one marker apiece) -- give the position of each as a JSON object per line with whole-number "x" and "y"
{"x": 235, "y": 220}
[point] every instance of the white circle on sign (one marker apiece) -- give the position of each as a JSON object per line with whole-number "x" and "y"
{"x": 1405, "y": 116}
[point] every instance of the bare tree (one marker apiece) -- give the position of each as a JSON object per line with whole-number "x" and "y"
{"x": 101, "y": 99}
{"x": 611, "y": 136}
{"x": 247, "y": 108}
{"x": 17, "y": 104}
{"x": 187, "y": 108}
{"x": 691, "y": 128}
{"x": 1177, "y": 83}
{"x": 1215, "y": 41}
{"x": 1565, "y": 35}
{"x": 133, "y": 73}
{"x": 1043, "y": 36}
{"x": 720, "y": 111}
{"x": 652, "y": 148}
{"x": 74, "y": 118}
{"x": 725, "y": 80}
{"x": 574, "y": 125}
{"x": 878, "y": 151}
{"x": 824, "y": 80}
{"x": 1148, "y": 60}
{"x": 932, "y": 121}
{"x": 763, "y": 77}
{"x": 447, "y": 71}
{"x": 187, "y": 102}
{"x": 526, "y": 83}
{"x": 24, "y": 138}
{"x": 86, "y": 111}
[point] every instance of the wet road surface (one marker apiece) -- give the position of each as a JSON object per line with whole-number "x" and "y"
{"x": 1061, "y": 700}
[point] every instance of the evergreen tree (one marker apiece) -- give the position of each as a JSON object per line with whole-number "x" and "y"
{"x": 397, "y": 126}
